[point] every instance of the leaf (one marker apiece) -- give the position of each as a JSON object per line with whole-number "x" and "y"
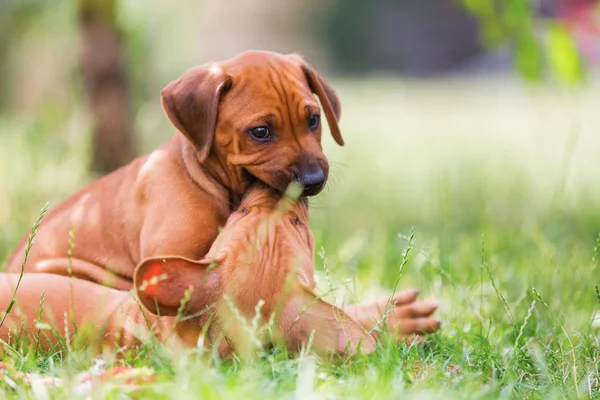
{"x": 493, "y": 34}
{"x": 10, "y": 306}
{"x": 480, "y": 8}
{"x": 518, "y": 15}
{"x": 528, "y": 57}
{"x": 563, "y": 56}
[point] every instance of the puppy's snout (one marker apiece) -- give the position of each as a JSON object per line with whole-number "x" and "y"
{"x": 312, "y": 179}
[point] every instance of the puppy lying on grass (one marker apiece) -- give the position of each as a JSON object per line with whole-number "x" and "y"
{"x": 258, "y": 278}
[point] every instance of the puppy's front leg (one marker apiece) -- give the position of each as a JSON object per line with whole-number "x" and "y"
{"x": 305, "y": 316}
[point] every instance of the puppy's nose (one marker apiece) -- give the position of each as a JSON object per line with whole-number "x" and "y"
{"x": 313, "y": 180}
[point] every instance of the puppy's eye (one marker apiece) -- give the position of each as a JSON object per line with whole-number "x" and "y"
{"x": 260, "y": 134}
{"x": 313, "y": 121}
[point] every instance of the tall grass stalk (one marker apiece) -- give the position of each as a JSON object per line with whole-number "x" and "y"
{"x": 30, "y": 240}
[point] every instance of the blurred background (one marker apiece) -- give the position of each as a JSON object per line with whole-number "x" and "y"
{"x": 473, "y": 121}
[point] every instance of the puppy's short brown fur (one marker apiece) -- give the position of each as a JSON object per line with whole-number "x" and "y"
{"x": 263, "y": 256}
{"x": 253, "y": 117}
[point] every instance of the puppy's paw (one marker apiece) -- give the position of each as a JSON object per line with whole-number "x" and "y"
{"x": 412, "y": 319}
{"x": 403, "y": 315}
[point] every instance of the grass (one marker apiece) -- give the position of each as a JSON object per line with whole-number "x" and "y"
{"x": 495, "y": 185}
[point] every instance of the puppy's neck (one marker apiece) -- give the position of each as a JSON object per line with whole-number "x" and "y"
{"x": 213, "y": 171}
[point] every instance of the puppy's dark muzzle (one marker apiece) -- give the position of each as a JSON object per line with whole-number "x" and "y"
{"x": 312, "y": 181}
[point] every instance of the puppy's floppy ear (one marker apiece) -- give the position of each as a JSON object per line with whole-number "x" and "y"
{"x": 329, "y": 99}
{"x": 191, "y": 103}
{"x": 161, "y": 283}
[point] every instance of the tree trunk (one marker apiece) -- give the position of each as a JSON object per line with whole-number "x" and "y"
{"x": 107, "y": 86}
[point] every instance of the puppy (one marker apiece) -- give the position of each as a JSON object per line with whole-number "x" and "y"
{"x": 251, "y": 118}
{"x": 262, "y": 267}
{"x": 259, "y": 270}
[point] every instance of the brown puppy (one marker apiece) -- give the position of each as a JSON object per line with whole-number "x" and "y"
{"x": 253, "y": 117}
{"x": 261, "y": 262}
{"x": 262, "y": 267}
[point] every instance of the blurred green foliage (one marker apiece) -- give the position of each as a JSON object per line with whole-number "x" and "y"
{"x": 537, "y": 46}
{"x": 15, "y": 17}
{"x": 540, "y": 47}
{"x": 362, "y": 36}
{"x": 343, "y": 29}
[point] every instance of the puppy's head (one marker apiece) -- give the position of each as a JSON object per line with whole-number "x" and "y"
{"x": 257, "y": 114}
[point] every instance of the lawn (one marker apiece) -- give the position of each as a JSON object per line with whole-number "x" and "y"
{"x": 482, "y": 192}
